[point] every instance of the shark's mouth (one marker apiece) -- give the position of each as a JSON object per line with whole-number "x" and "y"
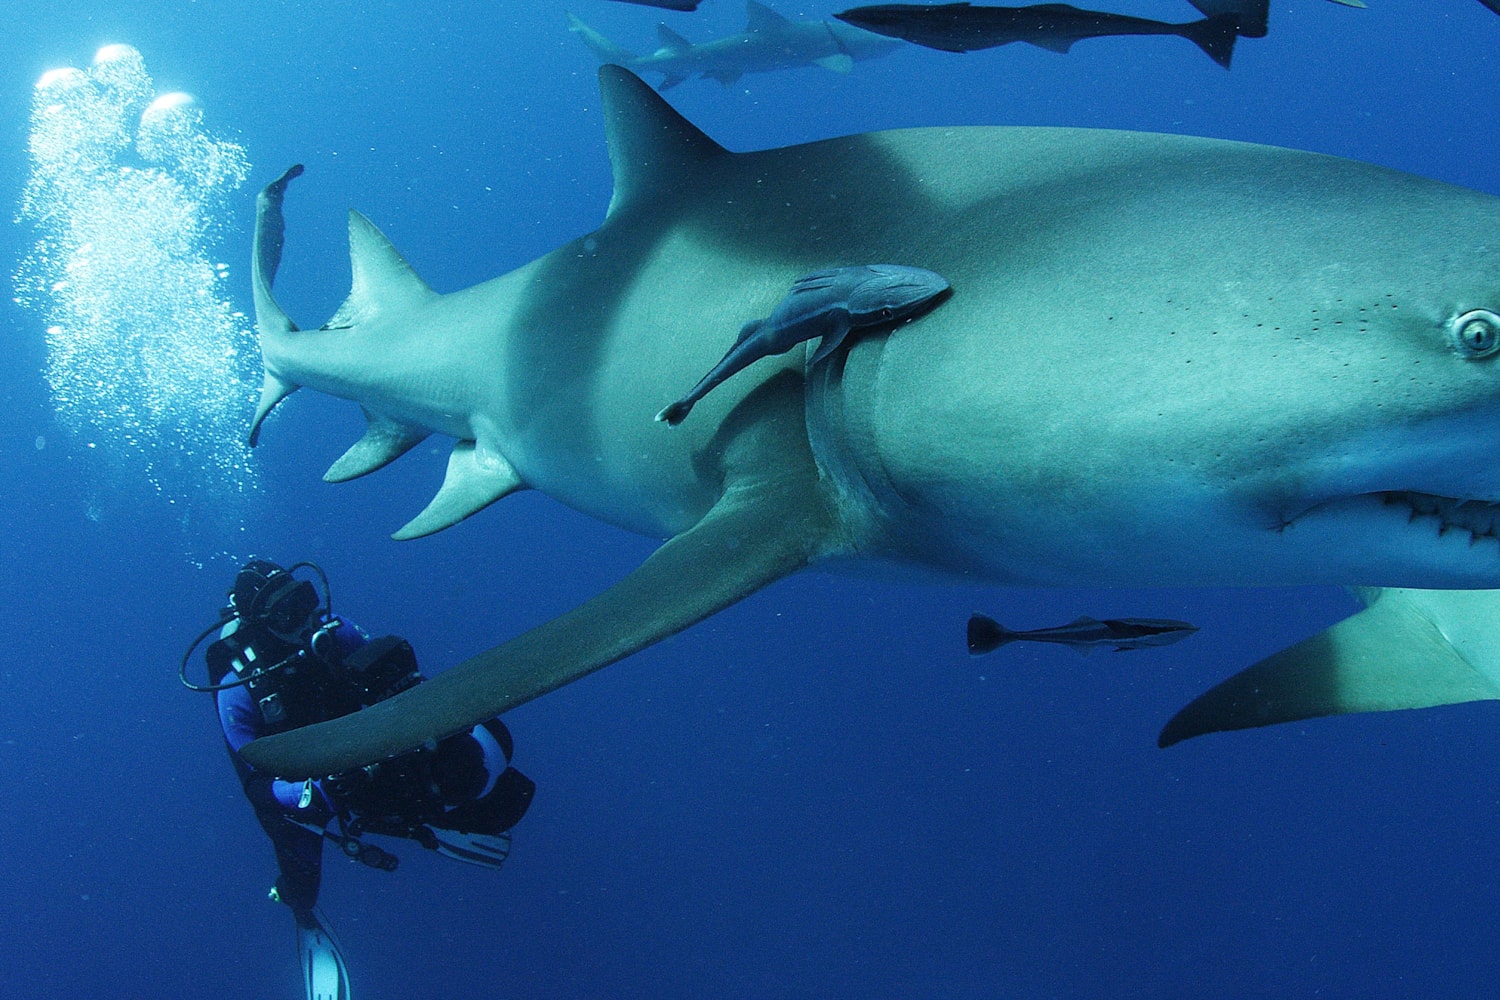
{"x": 1480, "y": 518}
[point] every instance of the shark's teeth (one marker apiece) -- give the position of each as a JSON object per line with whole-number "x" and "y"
{"x": 1479, "y": 518}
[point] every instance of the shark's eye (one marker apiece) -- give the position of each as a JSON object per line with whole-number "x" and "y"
{"x": 1477, "y": 333}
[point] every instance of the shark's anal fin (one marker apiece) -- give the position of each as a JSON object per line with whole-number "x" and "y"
{"x": 1389, "y": 656}
{"x": 757, "y": 533}
{"x": 384, "y": 441}
{"x": 473, "y": 482}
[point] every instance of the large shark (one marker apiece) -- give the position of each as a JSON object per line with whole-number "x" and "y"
{"x": 769, "y": 42}
{"x": 1165, "y": 361}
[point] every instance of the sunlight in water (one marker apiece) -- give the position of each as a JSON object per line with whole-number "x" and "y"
{"x": 148, "y": 362}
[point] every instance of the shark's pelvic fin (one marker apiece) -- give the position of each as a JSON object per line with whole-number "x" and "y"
{"x": 382, "y": 279}
{"x": 1390, "y": 656}
{"x": 758, "y": 532}
{"x": 471, "y": 484}
{"x": 651, "y": 147}
{"x": 385, "y": 440}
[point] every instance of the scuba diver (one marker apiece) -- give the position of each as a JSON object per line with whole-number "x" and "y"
{"x": 283, "y": 660}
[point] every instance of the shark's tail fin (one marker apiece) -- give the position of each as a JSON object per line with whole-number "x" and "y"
{"x": 606, "y": 50}
{"x": 1215, "y": 36}
{"x": 987, "y": 635}
{"x": 1253, "y": 14}
{"x": 265, "y": 259}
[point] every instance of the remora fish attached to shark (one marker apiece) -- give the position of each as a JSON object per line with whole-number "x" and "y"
{"x": 825, "y": 304}
{"x": 1170, "y": 361}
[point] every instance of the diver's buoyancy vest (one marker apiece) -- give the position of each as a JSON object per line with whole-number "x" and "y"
{"x": 296, "y": 684}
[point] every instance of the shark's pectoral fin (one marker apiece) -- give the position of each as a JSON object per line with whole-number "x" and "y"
{"x": 830, "y": 342}
{"x": 384, "y": 441}
{"x": 474, "y": 481}
{"x": 839, "y": 63}
{"x": 272, "y": 391}
{"x": 758, "y": 532}
{"x": 1389, "y": 656}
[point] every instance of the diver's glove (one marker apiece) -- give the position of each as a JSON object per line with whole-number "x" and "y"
{"x": 305, "y": 801}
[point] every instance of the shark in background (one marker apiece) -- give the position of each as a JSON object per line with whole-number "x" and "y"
{"x": 1165, "y": 361}
{"x": 769, "y": 42}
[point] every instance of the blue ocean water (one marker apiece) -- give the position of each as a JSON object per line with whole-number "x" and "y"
{"x": 816, "y": 793}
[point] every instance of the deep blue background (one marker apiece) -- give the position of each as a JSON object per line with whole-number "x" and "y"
{"x": 816, "y": 793}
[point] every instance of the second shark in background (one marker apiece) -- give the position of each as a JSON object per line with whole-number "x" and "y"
{"x": 769, "y": 42}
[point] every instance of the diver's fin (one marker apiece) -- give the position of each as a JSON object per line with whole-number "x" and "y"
{"x": 323, "y": 970}
{"x": 488, "y": 850}
{"x": 762, "y": 529}
{"x": 652, "y": 148}
{"x": 382, "y": 280}
{"x": 272, "y": 391}
{"x": 384, "y": 441}
{"x": 471, "y": 484}
{"x": 1406, "y": 650}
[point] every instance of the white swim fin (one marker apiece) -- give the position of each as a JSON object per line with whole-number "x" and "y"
{"x": 323, "y": 970}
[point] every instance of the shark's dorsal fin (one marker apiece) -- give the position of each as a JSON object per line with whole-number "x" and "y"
{"x": 384, "y": 441}
{"x": 382, "y": 279}
{"x": 671, "y": 40}
{"x": 472, "y": 483}
{"x": 651, "y": 147}
{"x": 1389, "y": 656}
{"x": 759, "y": 17}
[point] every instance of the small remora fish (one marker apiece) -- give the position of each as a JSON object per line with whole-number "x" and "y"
{"x": 827, "y": 304}
{"x": 1083, "y": 634}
